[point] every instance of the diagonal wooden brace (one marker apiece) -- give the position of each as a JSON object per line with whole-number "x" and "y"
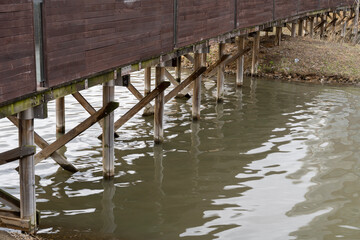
{"x": 184, "y": 84}
{"x": 87, "y": 106}
{"x": 190, "y": 58}
{"x": 140, "y": 105}
{"x": 137, "y": 94}
{"x": 59, "y": 159}
{"x": 183, "y": 93}
{"x": 103, "y": 112}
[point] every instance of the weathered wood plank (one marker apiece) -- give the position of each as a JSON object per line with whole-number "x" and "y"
{"x": 16, "y": 154}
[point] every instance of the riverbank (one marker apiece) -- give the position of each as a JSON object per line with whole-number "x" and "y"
{"x": 301, "y": 59}
{"x": 17, "y": 236}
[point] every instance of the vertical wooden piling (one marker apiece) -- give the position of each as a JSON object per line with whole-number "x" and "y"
{"x": 27, "y": 170}
{"x": 159, "y": 107}
{"x": 311, "y": 33}
{"x": 301, "y": 28}
{"x": 178, "y": 70}
{"x": 356, "y": 24}
{"x": 240, "y": 62}
{"x": 278, "y": 36}
{"x": 147, "y": 88}
{"x": 108, "y": 132}
{"x": 220, "y": 76}
{"x": 60, "y": 115}
{"x": 255, "y": 54}
{"x": 293, "y": 29}
{"x": 322, "y": 27}
{"x": 196, "y": 99}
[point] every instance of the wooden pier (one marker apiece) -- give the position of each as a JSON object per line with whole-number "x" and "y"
{"x": 51, "y": 49}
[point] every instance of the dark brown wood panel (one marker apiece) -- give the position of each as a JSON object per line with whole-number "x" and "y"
{"x": 17, "y": 53}
{"x": 285, "y": 8}
{"x": 307, "y": 5}
{"x": 254, "y": 12}
{"x": 202, "y": 19}
{"x": 83, "y": 37}
{"x": 324, "y": 4}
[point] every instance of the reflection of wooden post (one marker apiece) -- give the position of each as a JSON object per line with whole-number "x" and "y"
{"x": 220, "y": 76}
{"x": 178, "y": 70}
{"x": 293, "y": 29}
{"x": 159, "y": 107}
{"x": 255, "y": 54}
{"x": 27, "y": 169}
{"x": 278, "y": 36}
{"x": 60, "y": 115}
{"x": 108, "y": 132}
{"x": 301, "y": 28}
{"x": 311, "y": 33}
{"x": 196, "y": 99}
{"x": 240, "y": 63}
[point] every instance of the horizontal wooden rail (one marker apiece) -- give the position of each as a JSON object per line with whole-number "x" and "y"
{"x": 16, "y": 154}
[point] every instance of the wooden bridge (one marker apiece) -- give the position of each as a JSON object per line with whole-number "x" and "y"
{"x": 53, "y": 48}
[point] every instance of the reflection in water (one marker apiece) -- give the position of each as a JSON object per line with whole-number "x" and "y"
{"x": 108, "y": 206}
{"x": 275, "y": 160}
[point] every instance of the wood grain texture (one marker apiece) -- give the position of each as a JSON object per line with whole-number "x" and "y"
{"x": 17, "y": 53}
{"x": 254, "y": 12}
{"x": 84, "y": 37}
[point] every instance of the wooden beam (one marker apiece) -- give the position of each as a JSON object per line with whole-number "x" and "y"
{"x": 184, "y": 84}
{"x": 318, "y": 26}
{"x": 311, "y": 31}
{"x": 215, "y": 65}
{"x": 59, "y": 159}
{"x": 159, "y": 107}
{"x": 293, "y": 29}
{"x": 46, "y": 152}
{"x": 178, "y": 70}
{"x": 87, "y": 106}
{"x": 278, "y": 36}
{"x": 16, "y": 154}
{"x": 9, "y": 200}
{"x": 236, "y": 56}
{"x": 183, "y": 93}
{"x": 196, "y": 99}
{"x": 288, "y": 27}
{"x": 15, "y": 223}
{"x": 143, "y": 102}
{"x": 301, "y": 28}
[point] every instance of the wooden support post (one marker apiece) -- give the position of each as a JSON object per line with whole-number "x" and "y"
{"x": 343, "y": 30}
{"x": 311, "y": 33}
{"x": 220, "y": 76}
{"x": 178, "y": 70}
{"x": 293, "y": 29}
{"x": 148, "y": 110}
{"x": 159, "y": 107}
{"x": 356, "y": 26}
{"x": 108, "y": 132}
{"x": 27, "y": 170}
{"x": 255, "y": 54}
{"x": 278, "y": 36}
{"x": 301, "y": 28}
{"x": 322, "y": 27}
{"x": 240, "y": 63}
{"x": 196, "y": 99}
{"x": 60, "y": 115}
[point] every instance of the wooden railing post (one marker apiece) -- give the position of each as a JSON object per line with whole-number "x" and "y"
{"x": 108, "y": 132}
{"x": 27, "y": 170}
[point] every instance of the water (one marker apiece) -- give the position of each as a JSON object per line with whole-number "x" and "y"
{"x": 275, "y": 160}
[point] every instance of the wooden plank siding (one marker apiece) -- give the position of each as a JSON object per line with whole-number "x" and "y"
{"x": 202, "y": 19}
{"x": 17, "y": 52}
{"x": 250, "y": 14}
{"x": 83, "y": 37}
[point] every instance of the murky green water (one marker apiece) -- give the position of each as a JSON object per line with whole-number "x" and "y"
{"x": 275, "y": 160}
